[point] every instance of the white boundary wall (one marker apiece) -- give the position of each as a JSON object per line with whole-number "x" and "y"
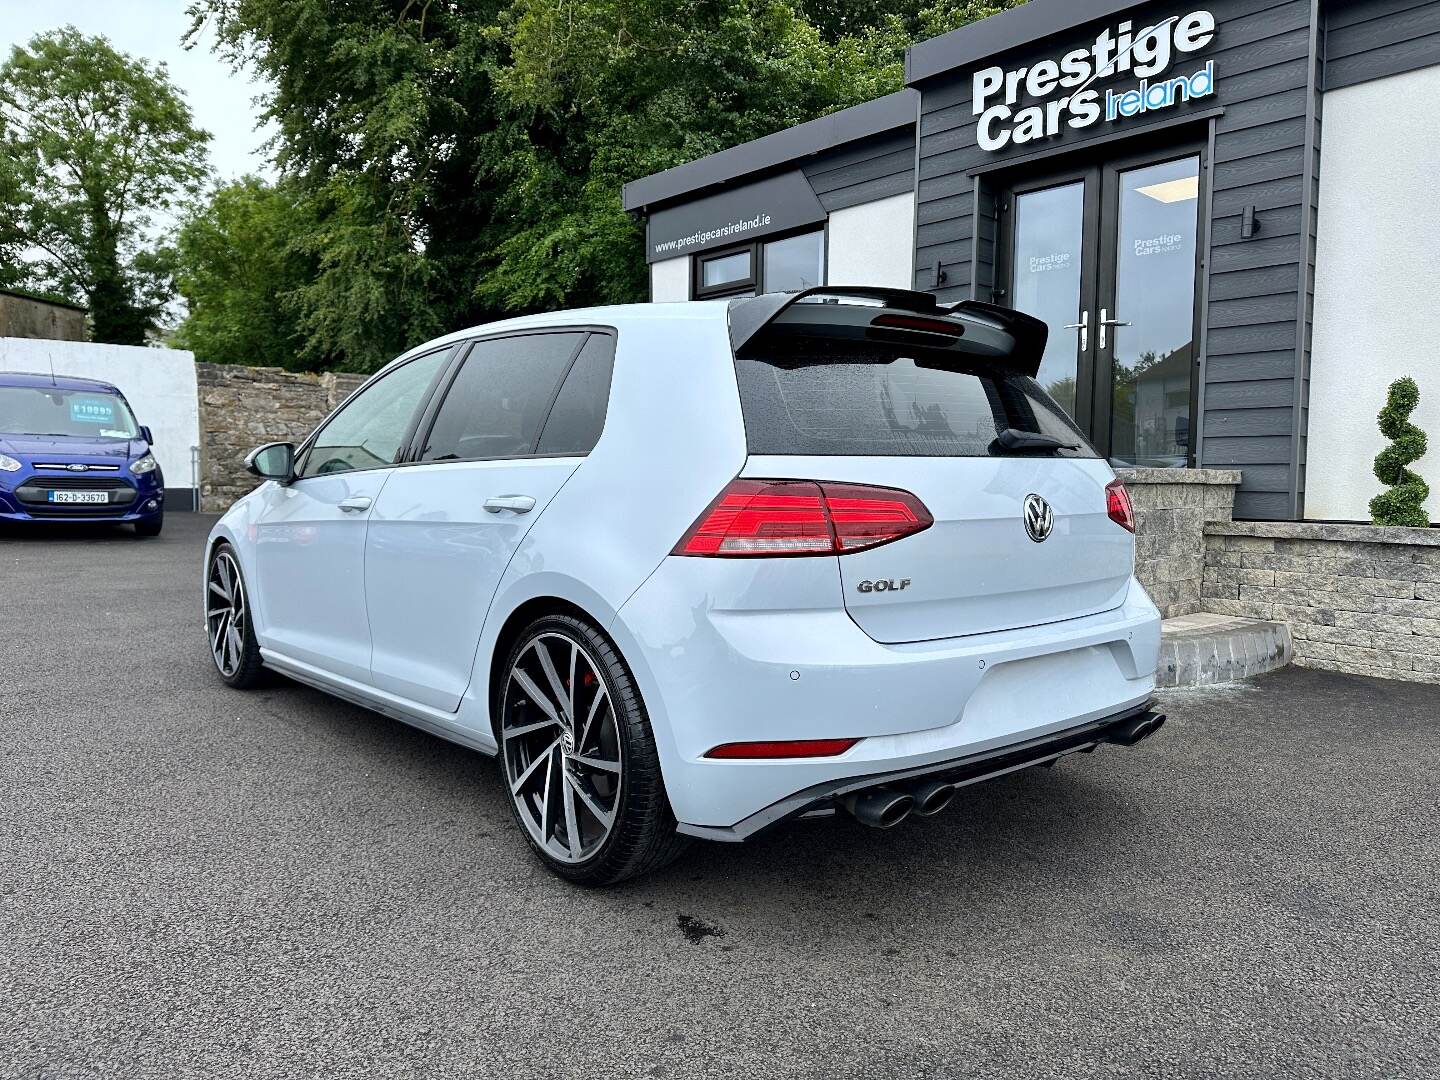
{"x": 1376, "y": 285}
{"x": 158, "y": 383}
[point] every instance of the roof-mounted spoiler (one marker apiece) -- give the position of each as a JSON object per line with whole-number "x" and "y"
{"x": 998, "y": 333}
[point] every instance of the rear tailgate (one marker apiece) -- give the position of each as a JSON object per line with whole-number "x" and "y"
{"x": 897, "y": 392}
{"x": 976, "y": 570}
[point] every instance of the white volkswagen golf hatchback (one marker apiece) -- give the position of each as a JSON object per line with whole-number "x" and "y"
{"x": 694, "y": 570}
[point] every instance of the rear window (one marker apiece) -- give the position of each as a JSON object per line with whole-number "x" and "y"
{"x": 824, "y": 397}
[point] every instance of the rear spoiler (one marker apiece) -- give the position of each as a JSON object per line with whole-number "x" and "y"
{"x": 1002, "y": 335}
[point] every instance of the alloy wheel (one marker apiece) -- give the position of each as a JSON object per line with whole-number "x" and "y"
{"x": 225, "y": 614}
{"x": 563, "y": 758}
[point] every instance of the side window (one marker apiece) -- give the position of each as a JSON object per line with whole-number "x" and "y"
{"x": 368, "y": 431}
{"x": 579, "y": 413}
{"x": 499, "y": 400}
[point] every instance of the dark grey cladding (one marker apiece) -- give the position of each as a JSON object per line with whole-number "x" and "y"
{"x": 783, "y": 148}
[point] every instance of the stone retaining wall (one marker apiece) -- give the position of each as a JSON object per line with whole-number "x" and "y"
{"x": 1358, "y": 598}
{"x": 243, "y": 407}
{"x": 1172, "y": 507}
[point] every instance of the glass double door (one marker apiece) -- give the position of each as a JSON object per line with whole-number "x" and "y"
{"x": 1106, "y": 255}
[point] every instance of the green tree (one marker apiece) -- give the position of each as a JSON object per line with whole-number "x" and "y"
{"x": 238, "y": 268}
{"x": 92, "y": 144}
{"x": 1404, "y": 503}
{"x": 462, "y": 161}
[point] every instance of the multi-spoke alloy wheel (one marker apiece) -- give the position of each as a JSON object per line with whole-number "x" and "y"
{"x": 563, "y": 755}
{"x": 579, "y": 757}
{"x": 227, "y": 621}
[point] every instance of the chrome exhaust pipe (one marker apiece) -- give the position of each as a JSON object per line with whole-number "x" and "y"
{"x": 932, "y": 797}
{"x": 880, "y": 808}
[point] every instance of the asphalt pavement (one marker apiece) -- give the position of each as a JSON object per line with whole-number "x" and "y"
{"x": 197, "y": 882}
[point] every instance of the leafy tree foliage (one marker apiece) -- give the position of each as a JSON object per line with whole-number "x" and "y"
{"x": 92, "y": 144}
{"x": 240, "y": 274}
{"x": 461, "y": 160}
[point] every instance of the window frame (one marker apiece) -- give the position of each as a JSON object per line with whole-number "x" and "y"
{"x": 431, "y": 412}
{"x": 302, "y": 454}
{"x": 755, "y": 283}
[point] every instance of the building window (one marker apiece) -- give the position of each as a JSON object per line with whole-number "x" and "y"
{"x": 794, "y": 262}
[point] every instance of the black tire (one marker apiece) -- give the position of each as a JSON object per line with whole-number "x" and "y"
{"x": 246, "y": 667}
{"x": 642, "y": 837}
{"x": 150, "y": 528}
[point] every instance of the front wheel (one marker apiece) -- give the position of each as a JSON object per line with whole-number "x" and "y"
{"x": 227, "y": 621}
{"x": 579, "y": 758}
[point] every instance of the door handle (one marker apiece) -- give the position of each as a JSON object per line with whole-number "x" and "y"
{"x": 1105, "y": 321}
{"x": 520, "y": 504}
{"x": 1084, "y": 327}
{"x": 355, "y": 505}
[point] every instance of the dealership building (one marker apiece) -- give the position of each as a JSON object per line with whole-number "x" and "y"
{"x": 1229, "y": 216}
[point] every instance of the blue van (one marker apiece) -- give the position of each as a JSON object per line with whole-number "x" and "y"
{"x": 70, "y": 450}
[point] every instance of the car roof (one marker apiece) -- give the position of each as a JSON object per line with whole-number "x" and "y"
{"x": 616, "y": 315}
{"x": 54, "y": 382}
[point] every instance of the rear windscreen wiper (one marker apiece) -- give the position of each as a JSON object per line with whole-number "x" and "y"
{"x": 1014, "y": 439}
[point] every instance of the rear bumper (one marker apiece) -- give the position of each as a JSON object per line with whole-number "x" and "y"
{"x": 961, "y": 772}
{"x": 711, "y": 676}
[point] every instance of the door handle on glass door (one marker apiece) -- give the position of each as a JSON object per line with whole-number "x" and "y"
{"x": 520, "y": 504}
{"x": 1084, "y": 327}
{"x": 356, "y": 504}
{"x": 1105, "y": 321}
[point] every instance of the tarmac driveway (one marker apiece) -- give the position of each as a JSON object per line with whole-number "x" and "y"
{"x": 197, "y": 882}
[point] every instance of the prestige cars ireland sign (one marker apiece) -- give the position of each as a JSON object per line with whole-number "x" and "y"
{"x": 1065, "y": 87}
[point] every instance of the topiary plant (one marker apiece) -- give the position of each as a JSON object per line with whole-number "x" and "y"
{"x": 1404, "y": 503}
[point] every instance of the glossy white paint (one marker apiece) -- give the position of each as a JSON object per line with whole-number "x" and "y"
{"x": 402, "y": 607}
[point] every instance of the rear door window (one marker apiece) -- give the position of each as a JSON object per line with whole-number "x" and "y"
{"x": 498, "y": 402}
{"x": 822, "y": 397}
{"x": 579, "y": 414}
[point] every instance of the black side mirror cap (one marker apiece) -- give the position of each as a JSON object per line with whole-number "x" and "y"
{"x": 273, "y": 461}
{"x": 146, "y": 435}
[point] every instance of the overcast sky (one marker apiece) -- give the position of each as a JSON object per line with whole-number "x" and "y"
{"x": 221, "y": 101}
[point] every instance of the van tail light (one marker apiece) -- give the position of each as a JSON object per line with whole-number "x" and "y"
{"x": 802, "y": 517}
{"x": 788, "y": 748}
{"x": 1117, "y": 505}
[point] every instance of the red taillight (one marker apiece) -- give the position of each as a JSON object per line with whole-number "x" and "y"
{"x": 912, "y": 322}
{"x": 802, "y": 517}
{"x": 1117, "y": 505}
{"x": 789, "y": 748}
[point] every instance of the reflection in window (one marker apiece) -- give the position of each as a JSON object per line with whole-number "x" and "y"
{"x": 797, "y": 262}
{"x": 1048, "y": 232}
{"x": 727, "y": 268}
{"x": 1155, "y": 294}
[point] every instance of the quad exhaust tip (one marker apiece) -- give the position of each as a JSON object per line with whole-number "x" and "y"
{"x": 933, "y": 797}
{"x": 880, "y": 808}
{"x": 1137, "y": 730}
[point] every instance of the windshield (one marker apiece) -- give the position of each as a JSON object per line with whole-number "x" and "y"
{"x": 88, "y": 414}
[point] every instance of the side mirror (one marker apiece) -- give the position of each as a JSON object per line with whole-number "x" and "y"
{"x": 146, "y": 435}
{"x": 273, "y": 461}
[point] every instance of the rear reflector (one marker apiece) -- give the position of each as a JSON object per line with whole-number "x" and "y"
{"x": 1117, "y": 505}
{"x": 802, "y": 517}
{"x": 791, "y": 748}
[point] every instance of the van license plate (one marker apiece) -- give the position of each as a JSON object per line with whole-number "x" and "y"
{"x": 79, "y": 496}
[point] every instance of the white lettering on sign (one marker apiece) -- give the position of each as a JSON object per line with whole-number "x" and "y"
{"x": 1043, "y": 264}
{"x": 1159, "y": 245}
{"x": 997, "y": 93}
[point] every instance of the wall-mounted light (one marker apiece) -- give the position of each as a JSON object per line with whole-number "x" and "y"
{"x": 1248, "y": 225}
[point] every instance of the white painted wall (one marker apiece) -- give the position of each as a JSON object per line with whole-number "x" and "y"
{"x": 670, "y": 280}
{"x": 1377, "y": 285}
{"x": 873, "y": 243}
{"x": 158, "y": 383}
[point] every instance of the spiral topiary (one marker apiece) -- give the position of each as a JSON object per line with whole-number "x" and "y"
{"x": 1404, "y": 503}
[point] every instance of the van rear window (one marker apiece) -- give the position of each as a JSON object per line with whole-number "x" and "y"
{"x": 823, "y": 397}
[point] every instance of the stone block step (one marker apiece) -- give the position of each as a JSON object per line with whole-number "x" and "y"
{"x": 1204, "y": 649}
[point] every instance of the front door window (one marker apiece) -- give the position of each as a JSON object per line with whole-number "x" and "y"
{"x": 1106, "y": 256}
